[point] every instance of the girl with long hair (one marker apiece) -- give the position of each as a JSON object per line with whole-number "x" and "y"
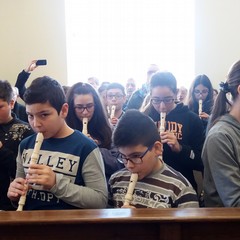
{"x": 84, "y": 102}
{"x": 221, "y": 151}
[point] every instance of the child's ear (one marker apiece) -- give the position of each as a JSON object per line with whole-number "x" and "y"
{"x": 238, "y": 89}
{"x": 11, "y": 104}
{"x": 64, "y": 110}
{"x": 158, "y": 148}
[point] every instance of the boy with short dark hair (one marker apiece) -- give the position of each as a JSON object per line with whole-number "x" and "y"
{"x": 115, "y": 96}
{"x": 158, "y": 186}
{"x": 70, "y": 168}
{"x": 12, "y": 131}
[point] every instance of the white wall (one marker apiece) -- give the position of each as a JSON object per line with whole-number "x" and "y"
{"x": 217, "y": 37}
{"x": 31, "y": 29}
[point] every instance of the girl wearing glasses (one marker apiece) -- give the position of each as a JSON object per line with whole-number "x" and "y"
{"x": 84, "y": 102}
{"x": 201, "y": 88}
{"x": 221, "y": 151}
{"x": 183, "y": 136}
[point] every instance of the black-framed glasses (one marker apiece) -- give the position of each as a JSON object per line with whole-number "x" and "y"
{"x": 117, "y": 96}
{"x": 167, "y": 100}
{"x": 80, "y": 108}
{"x": 134, "y": 159}
{"x": 198, "y": 92}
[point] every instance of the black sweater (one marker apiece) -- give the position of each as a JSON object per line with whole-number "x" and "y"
{"x": 11, "y": 135}
{"x": 188, "y": 129}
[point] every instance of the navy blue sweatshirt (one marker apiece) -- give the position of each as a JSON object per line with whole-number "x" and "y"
{"x": 188, "y": 129}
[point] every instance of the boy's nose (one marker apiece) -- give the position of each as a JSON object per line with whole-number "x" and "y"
{"x": 130, "y": 164}
{"x": 36, "y": 122}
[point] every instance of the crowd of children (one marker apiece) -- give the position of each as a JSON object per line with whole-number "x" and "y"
{"x": 97, "y": 136}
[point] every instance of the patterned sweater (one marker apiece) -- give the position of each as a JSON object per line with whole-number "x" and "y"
{"x": 165, "y": 188}
{"x": 11, "y": 134}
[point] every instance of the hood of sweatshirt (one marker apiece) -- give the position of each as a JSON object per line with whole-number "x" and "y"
{"x": 230, "y": 120}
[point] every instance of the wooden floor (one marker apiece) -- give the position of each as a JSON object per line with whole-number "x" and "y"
{"x": 171, "y": 224}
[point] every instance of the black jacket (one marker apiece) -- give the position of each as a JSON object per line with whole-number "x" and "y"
{"x": 188, "y": 128}
{"x": 11, "y": 135}
{"x": 21, "y": 81}
{"x": 20, "y": 111}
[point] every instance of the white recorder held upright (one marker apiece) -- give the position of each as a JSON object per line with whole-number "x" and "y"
{"x": 112, "y": 114}
{"x": 85, "y": 126}
{"x": 108, "y": 111}
{"x": 162, "y": 122}
{"x": 34, "y": 158}
{"x": 200, "y": 106}
{"x": 131, "y": 186}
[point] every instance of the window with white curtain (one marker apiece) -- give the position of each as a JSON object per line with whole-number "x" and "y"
{"x": 114, "y": 40}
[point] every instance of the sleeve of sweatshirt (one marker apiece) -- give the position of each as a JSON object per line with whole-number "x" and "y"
{"x": 21, "y": 81}
{"x": 220, "y": 158}
{"x": 191, "y": 153}
{"x": 94, "y": 194}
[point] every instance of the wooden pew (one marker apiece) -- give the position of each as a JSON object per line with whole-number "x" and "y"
{"x": 163, "y": 224}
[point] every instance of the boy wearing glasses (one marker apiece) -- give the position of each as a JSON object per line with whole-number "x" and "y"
{"x": 116, "y": 98}
{"x": 183, "y": 134}
{"x": 140, "y": 150}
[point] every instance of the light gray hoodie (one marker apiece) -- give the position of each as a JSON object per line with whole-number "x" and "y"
{"x": 221, "y": 159}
